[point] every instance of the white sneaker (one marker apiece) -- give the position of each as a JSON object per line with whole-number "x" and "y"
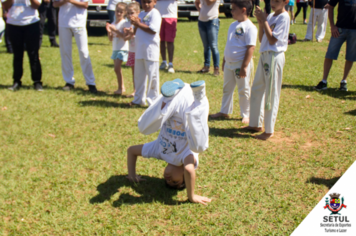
{"x": 163, "y": 66}
{"x": 170, "y": 69}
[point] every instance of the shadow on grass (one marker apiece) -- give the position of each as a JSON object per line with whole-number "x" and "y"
{"x": 230, "y": 133}
{"x": 352, "y": 112}
{"x": 222, "y": 118}
{"x": 320, "y": 181}
{"x": 332, "y": 92}
{"x": 104, "y": 103}
{"x": 151, "y": 190}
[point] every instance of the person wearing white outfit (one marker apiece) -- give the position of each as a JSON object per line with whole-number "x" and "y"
{"x": 147, "y": 26}
{"x": 237, "y": 63}
{"x": 266, "y": 88}
{"x": 72, "y": 22}
{"x": 320, "y": 19}
{"x": 181, "y": 115}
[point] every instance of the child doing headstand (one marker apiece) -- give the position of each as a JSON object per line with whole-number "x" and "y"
{"x": 266, "y": 89}
{"x": 133, "y": 9}
{"x": 147, "y": 26}
{"x": 120, "y": 46}
{"x": 181, "y": 114}
{"x": 237, "y": 64}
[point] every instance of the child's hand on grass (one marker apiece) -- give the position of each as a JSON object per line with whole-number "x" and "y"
{"x": 200, "y": 199}
{"x": 135, "y": 179}
{"x": 243, "y": 72}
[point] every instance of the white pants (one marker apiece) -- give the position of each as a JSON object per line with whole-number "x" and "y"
{"x": 81, "y": 38}
{"x": 320, "y": 16}
{"x": 243, "y": 86}
{"x": 261, "y": 88}
{"x": 144, "y": 70}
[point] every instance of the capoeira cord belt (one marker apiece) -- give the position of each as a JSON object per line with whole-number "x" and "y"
{"x": 268, "y": 105}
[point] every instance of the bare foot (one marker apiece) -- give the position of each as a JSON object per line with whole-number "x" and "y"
{"x": 119, "y": 91}
{"x": 253, "y": 129}
{"x": 131, "y": 95}
{"x": 245, "y": 120}
{"x": 263, "y": 136}
{"x": 219, "y": 115}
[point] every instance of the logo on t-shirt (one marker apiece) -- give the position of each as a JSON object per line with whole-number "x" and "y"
{"x": 146, "y": 19}
{"x": 273, "y": 26}
{"x": 239, "y": 31}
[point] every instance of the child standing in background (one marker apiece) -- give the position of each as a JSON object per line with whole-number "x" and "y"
{"x": 290, "y": 8}
{"x": 266, "y": 89}
{"x": 240, "y": 45}
{"x": 147, "y": 26}
{"x": 133, "y": 9}
{"x": 120, "y": 46}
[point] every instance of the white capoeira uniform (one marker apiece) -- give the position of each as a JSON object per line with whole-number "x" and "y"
{"x": 181, "y": 120}
{"x": 240, "y": 35}
{"x": 72, "y": 21}
{"x": 147, "y": 59}
{"x": 321, "y": 19}
{"x": 266, "y": 88}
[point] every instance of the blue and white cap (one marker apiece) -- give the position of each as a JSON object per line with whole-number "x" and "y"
{"x": 171, "y": 88}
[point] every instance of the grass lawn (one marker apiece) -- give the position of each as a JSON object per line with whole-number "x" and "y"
{"x": 63, "y": 154}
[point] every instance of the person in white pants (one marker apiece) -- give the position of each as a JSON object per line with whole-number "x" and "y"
{"x": 181, "y": 115}
{"x": 238, "y": 63}
{"x": 266, "y": 88}
{"x": 72, "y": 22}
{"x": 320, "y": 19}
{"x": 147, "y": 26}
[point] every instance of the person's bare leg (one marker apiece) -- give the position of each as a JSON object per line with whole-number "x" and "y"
{"x": 170, "y": 49}
{"x": 133, "y": 82}
{"x": 245, "y": 120}
{"x": 327, "y": 66}
{"x": 347, "y": 69}
{"x": 263, "y": 136}
{"x": 163, "y": 51}
{"x": 132, "y": 153}
{"x": 218, "y": 115}
{"x": 120, "y": 80}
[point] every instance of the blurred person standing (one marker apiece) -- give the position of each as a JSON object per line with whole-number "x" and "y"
{"x": 46, "y": 10}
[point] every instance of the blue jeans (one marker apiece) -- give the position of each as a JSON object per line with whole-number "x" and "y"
{"x": 209, "y": 36}
{"x": 111, "y": 16}
{"x": 335, "y": 44}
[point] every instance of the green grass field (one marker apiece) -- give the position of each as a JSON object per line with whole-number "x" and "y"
{"x": 63, "y": 154}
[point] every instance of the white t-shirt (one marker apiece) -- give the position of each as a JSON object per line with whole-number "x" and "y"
{"x": 167, "y": 8}
{"x": 209, "y": 12}
{"x": 71, "y": 16}
{"x": 132, "y": 44}
{"x": 147, "y": 45}
{"x": 112, "y": 4}
{"x": 21, "y": 13}
{"x": 239, "y": 36}
{"x": 280, "y": 30}
{"x": 119, "y": 43}
{"x": 172, "y": 136}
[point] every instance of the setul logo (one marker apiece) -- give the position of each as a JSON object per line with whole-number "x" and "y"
{"x": 335, "y": 206}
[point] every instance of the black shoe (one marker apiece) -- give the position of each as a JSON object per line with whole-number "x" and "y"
{"x": 15, "y": 86}
{"x": 321, "y": 86}
{"x": 38, "y": 86}
{"x": 92, "y": 89}
{"x": 343, "y": 87}
{"x": 54, "y": 44}
{"x": 68, "y": 87}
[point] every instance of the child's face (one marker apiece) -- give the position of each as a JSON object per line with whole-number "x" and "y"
{"x": 237, "y": 13}
{"x": 174, "y": 175}
{"x": 148, "y": 5}
{"x": 278, "y": 5}
{"x": 131, "y": 13}
{"x": 120, "y": 12}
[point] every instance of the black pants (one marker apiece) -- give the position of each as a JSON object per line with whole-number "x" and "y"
{"x": 254, "y": 2}
{"x": 268, "y": 6}
{"x": 46, "y": 10}
{"x": 29, "y": 35}
{"x": 7, "y": 39}
{"x": 301, "y": 5}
